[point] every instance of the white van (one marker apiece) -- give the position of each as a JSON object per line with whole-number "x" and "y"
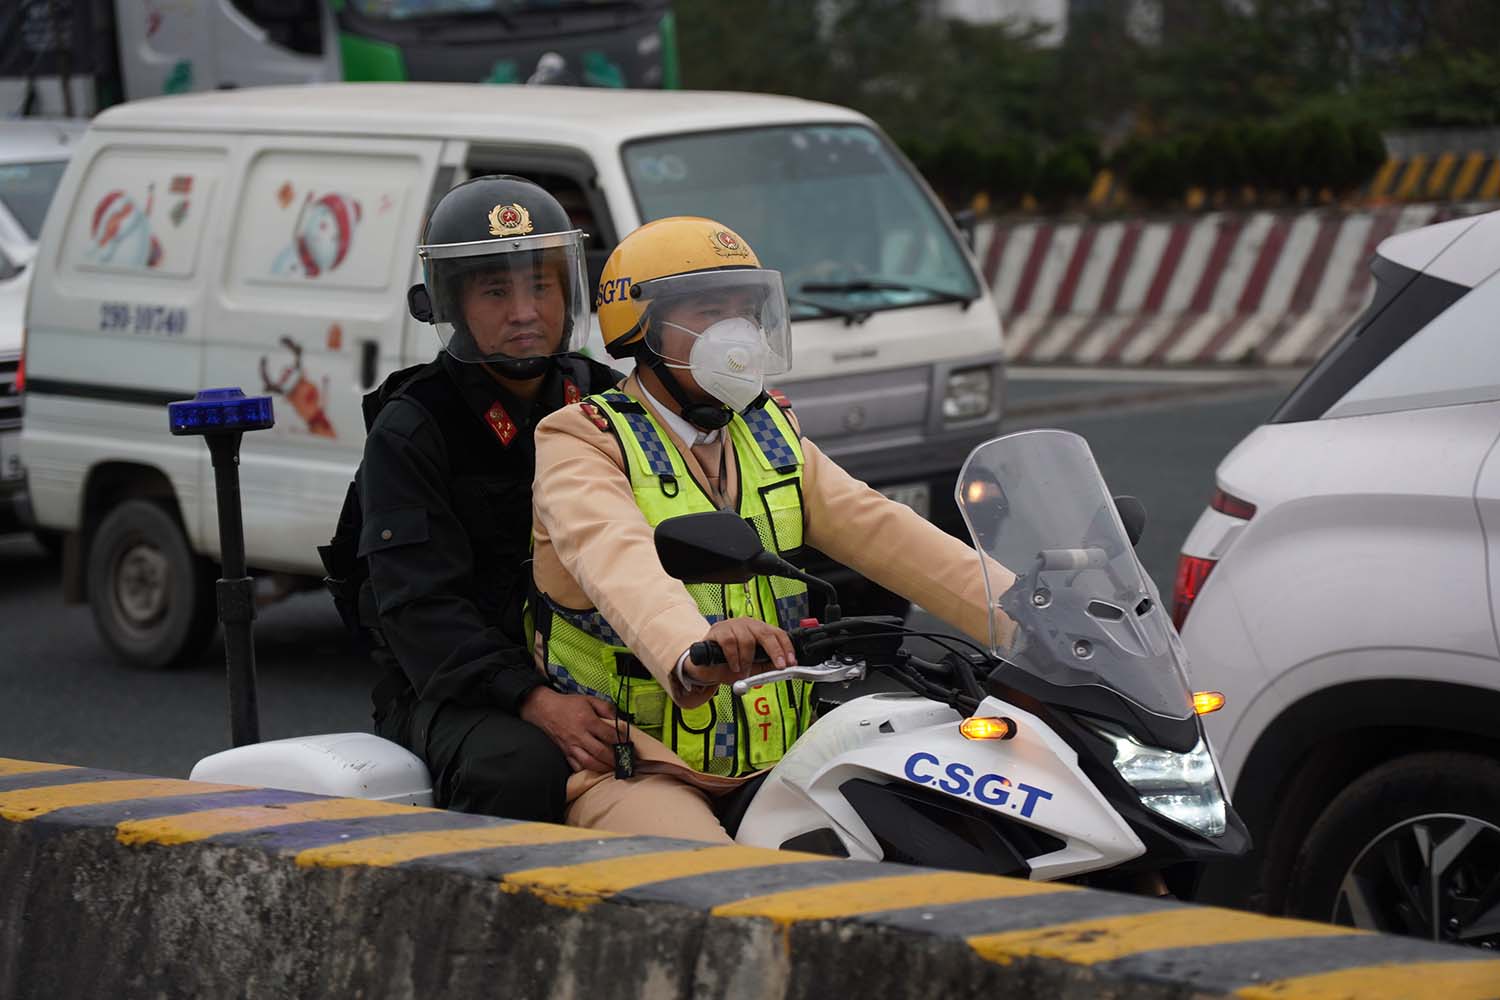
{"x": 265, "y": 238}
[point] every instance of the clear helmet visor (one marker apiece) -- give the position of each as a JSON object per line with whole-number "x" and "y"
{"x": 509, "y": 299}
{"x": 733, "y": 321}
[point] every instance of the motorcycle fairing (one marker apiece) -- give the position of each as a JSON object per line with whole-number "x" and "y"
{"x": 913, "y": 741}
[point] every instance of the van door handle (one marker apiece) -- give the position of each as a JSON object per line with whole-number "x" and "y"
{"x": 369, "y": 356}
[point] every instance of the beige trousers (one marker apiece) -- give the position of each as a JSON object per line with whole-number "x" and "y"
{"x": 666, "y": 798}
{"x": 654, "y": 805}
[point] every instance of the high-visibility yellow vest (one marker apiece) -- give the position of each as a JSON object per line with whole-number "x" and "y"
{"x": 584, "y": 653}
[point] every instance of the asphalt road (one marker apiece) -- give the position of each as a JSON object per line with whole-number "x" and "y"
{"x": 62, "y": 697}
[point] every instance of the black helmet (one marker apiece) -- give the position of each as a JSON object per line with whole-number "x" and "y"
{"x": 504, "y": 278}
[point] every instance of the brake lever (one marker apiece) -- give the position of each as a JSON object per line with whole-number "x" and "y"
{"x": 831, "y": 670}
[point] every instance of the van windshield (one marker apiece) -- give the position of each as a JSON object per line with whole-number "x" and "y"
{"x": 830, "y": 206}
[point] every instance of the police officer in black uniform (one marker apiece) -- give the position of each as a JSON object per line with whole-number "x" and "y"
{"x": 443, "y": 511}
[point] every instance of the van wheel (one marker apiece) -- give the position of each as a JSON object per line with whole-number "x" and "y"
{"x": 1412, "y": 847}
{"x": 152, "y": 597}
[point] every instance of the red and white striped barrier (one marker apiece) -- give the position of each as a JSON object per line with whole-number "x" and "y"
{"x": 1262, "y": 287}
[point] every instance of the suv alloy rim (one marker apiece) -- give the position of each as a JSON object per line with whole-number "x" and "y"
{"x": 1435, "y": 876}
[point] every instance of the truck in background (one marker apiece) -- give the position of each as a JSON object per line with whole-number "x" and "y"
{"x": 75, "y": 58}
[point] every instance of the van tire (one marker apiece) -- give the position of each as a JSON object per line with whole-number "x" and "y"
{"x": 151, "y": 595}
{"x": 1383, "y": 833}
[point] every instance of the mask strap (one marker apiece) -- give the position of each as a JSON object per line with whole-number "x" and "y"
{"x": 704, "y": 416}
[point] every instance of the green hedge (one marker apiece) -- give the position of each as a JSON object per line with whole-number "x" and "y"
{"x": 1296, "y": 160}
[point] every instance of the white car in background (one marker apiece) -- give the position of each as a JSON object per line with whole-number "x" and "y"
{"x": 33, "y": 154}
{"x": 1342, "y": 591}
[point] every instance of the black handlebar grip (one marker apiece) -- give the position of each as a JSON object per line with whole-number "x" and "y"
{"x": 710, "y": 654}
{"x": 706, "y": 654}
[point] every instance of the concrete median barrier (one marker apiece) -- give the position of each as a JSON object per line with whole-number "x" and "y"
{"x": 121, "y": 885}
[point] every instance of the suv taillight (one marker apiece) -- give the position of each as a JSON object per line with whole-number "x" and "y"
{"x": 1226, "y": 503}
{"x": 1192, "y": 571}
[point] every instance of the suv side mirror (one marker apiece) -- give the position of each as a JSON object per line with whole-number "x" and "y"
{"x": 713, "y": 547}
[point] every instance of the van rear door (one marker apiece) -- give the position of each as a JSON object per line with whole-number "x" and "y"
{"x": 310, "y": 309}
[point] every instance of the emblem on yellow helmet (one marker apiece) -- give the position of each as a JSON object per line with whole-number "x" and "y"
{"x": 726, "y": 244}
{"x": 510, "y": 220}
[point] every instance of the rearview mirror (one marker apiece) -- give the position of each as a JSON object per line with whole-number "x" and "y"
{"x": 713, "y": 547}
{"x": 968, "y": 224}
{"x": 1133, "y": 516}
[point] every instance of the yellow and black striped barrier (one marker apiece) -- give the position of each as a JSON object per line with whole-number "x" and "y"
{"x": 118, "y": 885}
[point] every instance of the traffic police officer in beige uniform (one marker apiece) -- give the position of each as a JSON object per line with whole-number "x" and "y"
{"x": 694, "y": 430}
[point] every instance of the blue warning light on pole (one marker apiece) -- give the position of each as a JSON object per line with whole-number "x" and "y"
{"x": 220, "y": 411}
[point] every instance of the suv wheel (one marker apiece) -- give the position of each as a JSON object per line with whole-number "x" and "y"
{"x": 1411, "y": 847}
{"x": 152, "y": 598}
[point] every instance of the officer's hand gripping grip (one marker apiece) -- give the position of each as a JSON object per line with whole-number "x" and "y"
{"x": 711, "y": 654}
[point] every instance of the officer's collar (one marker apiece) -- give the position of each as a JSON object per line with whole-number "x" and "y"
{"x": 676, "y": 422}
{"x": 481, "y": 392}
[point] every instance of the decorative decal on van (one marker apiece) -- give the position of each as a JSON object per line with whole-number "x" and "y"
{"x": 305, "y": 397}
{"x": 321, "y": 235}
{"x": 120, "y": 232}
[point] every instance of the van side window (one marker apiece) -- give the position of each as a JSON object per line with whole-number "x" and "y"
{"x": 319, "y": 221}
{"x": 141, "y": 211}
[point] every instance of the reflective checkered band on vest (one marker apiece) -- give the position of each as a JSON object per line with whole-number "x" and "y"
{"x": 657, "y": 459}
{"x": 773, "y": 443}
{"x": 591, "y": 623}
{"x": 791, "y": 610}
{"x": 724, "y": 740}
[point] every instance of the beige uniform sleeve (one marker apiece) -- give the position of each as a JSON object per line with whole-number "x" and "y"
{"x": 586, "y": 514}
{"x": 894, "y": 546}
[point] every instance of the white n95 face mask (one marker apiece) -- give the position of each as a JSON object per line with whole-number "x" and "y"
{"x": 728, "y": 361}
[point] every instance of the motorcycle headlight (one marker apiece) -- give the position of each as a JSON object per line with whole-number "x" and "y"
{"x": 1183, "y": 787}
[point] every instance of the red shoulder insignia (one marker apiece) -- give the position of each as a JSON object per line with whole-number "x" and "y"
{"x": 571, "y": 394}
{"x": 501, "y": 424}
{"x": 598, "y": 419}
{"x": 779, "y": 398}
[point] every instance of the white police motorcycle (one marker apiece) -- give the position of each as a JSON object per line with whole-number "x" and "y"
{"x": 1070, "y": 747}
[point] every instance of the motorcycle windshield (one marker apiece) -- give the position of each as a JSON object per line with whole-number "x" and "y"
{"x": 1081, "y": 610}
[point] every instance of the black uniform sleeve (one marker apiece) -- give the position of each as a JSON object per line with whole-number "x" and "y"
{"x": 421, "y": 570}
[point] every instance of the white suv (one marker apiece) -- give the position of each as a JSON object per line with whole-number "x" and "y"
{"x": 1342, "y": 591}
{"x": 33, "y": 155}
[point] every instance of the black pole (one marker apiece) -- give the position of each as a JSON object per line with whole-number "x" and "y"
{"x": 236, "y": 592}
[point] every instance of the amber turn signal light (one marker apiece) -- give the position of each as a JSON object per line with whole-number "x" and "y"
{"x": 981, "y": 728}
{"x": 1207, "y": 701}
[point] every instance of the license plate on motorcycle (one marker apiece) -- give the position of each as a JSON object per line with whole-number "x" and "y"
{"x": 917, "y": 496}
{"x": 10, "y": 456}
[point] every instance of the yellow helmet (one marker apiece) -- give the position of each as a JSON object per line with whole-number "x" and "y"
{"x": 662, "y": 249}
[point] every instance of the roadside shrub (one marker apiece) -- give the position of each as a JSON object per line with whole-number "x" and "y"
{"x": 1064, "y": 175}
{"x": 1156, "y": 172}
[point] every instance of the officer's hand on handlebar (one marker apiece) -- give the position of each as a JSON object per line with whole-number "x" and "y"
{"x": 740, "y": 639}
{"x": 581, "y": 725}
